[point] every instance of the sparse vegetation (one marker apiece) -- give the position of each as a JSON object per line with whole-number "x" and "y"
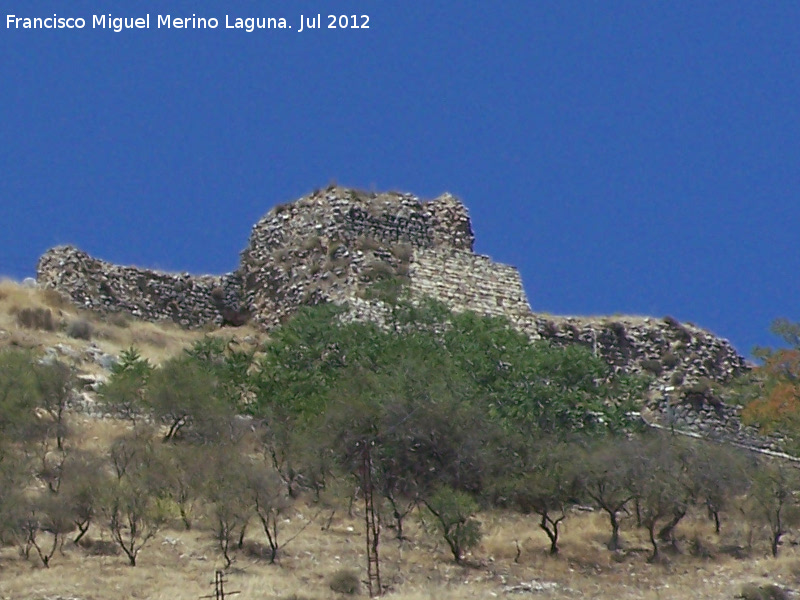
{"x": 670, "y": 360}
{"x": 653, "y": 366}
{"x": 345, "y": 581}
{"x": 79, "y": 328}
{"x": 466, "y": 418}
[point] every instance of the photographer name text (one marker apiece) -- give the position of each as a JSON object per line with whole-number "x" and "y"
{"x": 245, "y": 24}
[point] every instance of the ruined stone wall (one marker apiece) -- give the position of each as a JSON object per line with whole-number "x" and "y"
{"x": 341, "y": 245}
{"x": 94, "y": 284}
{"x": 685, "y": 364}
{"x": 466, "y": 281}
{"x": 332, "y": 245}
{"x": 345, "y": 215}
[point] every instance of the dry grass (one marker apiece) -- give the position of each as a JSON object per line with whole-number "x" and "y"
{"x": 111, "y": 333}
{"x": 179, "y": 565}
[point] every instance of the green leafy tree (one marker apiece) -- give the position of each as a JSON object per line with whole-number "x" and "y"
{"x": 125, "y": 391}
{"x": 772, "y": 500}
{"x": 604, "y": 479}
{"x": 131, "y": 501}
{"x": 454, "y": 512}
{"x": 18, "y": 396}
{"x": 230, "y": 364}
{"x": 655, "y": 477}
{"x": 543, "y": 482}
{"x": 185, "y": 396}
{"x": 228, "y": 492}
{"x": 54, "y": 384}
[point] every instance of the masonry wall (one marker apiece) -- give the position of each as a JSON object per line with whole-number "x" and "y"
{"x": 98, "y": 285}
{"x": 334, "y": 244}
{"x": 466, "y": 281}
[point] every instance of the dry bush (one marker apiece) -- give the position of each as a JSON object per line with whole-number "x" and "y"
{"x": 768, "y": 591}
{"x": 13, "y": 292}
{"x": 377, "y": 270}
{"x": 109, "y": 334}
{"x": 36, "y": 318}
{"x": 345, "y": 581}
{"x": 311, "y": 243}
{"x": 368, "y": 243}
{"x": 403, "y": 252}
{"x": 80, "y": 329}
{"x": 99, "y": 547}
{"x": 256, "y": 550}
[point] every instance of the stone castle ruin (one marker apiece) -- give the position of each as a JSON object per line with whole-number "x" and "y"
{"x": 346, "y": 246}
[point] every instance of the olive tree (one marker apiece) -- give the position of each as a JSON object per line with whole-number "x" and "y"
{"x": 455, "y": 512}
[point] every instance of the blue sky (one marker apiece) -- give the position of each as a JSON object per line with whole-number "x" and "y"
{"x": 628, "y": 157}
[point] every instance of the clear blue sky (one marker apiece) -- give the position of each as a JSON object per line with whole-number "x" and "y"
{"x": 628, "y": 157}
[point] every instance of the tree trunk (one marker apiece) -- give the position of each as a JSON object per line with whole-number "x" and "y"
{"x": 550, "y": 527}
{"x": 651, "y": 530}
{"x": 82, "y": 529}
{"x": 240, "y": 544}
{"x": 667, "y": 532}
{"x": 777, "y": 534}
{"x": 613, "y": 543}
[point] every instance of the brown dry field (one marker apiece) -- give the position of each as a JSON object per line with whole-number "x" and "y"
{"x": 180, "y": 565}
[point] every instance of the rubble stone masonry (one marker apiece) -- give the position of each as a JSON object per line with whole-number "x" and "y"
{"x": 335, "y": 244}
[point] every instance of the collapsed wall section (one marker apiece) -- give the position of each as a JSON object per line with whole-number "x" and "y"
{"x": 93, "y": 284}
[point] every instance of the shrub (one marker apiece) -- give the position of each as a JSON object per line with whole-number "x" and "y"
{"x": 670, "y": 360}
{"x": 753, "y": 591}
{"x": 36, "y": 318}
{"x": 368, "y": 243}
{"x": 652, "y": 366}
{"x": 403, "y": 252}
{"x": 549, "y": 329}
{"x": 677, "y": 377}
{"x": 345, "y": 581}
{"x": 333, "y": 247}
{"x": 311, "y": 243}
{"x": 671, "y": 322}
{"x": 378, "y": 270}
{"x": 281, "y": 255}
{"x": 79, "y": 329}
{"x": 618, "y": 329}
{"x": 701, "y": 388}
